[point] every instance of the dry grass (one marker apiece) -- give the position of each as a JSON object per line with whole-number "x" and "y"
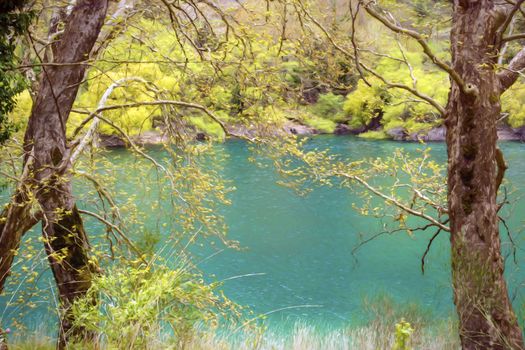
{"x": 383, "y": 313}
{"x": 306, "y": 338}
{"x": 373, "y": 337}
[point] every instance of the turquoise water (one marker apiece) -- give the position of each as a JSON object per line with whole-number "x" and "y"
{"x": 297, "y": 252}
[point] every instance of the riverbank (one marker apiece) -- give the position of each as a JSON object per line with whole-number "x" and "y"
{"x": 438, "y": 134}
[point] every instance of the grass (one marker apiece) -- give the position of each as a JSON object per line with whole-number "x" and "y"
{"x": 377, "y": 334}
{"x": 372, "y": 337}
{"x": 375, "y": 135}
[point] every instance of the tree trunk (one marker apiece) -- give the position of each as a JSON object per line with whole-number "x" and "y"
{"x": 487, "y": 320}
{"x": 16, "y": 220}
{"x": 47, "y": 155}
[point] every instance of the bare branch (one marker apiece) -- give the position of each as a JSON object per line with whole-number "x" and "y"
{"x": 413, "y": 91}
{"x": 427, "y": 250}
{"x": 175, "y": 103}
{"x": 394, "y": 201}
{"x": 389, "y": 84}
{"x": 508, "y": 21}
{"x": 421, "y": 41}
{"x": 118, "y": 230}
{"x": 509, "y": 76}
{"x": 513, "y": 37}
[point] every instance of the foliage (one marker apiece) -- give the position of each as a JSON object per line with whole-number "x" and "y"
{"x": 364, "y": 103}
{"x": 138, "y": 305}
{"x": 13, "y": 23}
{"x": 326, "y": 126}
{"x": 402, "y": 337}
{"x": 238, "y": 93}
{"x": 398, "y": 108}
{"x": 512, "y": 104}
{"x": 330, "y": 106}
{"x": 375, "y": 135}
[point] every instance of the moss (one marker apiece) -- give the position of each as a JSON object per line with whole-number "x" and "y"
{"x": 330, "y": 106}
{"x": 208, "y": 127}
{"x": 375, "y": 135}
{"x": 323, "y": 125}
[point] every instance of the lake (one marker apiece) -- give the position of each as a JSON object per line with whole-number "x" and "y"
{"x": 297, "y": 263}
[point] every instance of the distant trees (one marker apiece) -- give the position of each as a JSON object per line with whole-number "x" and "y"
{"x": 13, "y": 23}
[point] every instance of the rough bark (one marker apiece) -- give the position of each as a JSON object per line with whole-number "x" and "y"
{"x": 17, "y": 219}
{"x": 487, "y": 320}
{"x": 47, "y": 154}
{"x": 65, "y": 239}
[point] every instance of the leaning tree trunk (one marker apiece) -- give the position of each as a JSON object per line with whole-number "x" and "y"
{"x": 47, "y": 156}
{"x": 487, "y": 320}
{"x": 16, "y": 220}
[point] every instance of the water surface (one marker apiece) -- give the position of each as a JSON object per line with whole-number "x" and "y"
{"x": 298, "y": 250}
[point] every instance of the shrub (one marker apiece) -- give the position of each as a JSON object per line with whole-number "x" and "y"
{"x": 402, "y": 335}
{"x": 138, "y": 307}
{"x": 330, "y": 106}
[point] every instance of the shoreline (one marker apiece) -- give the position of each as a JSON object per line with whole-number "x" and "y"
{"x": 155, "y": 137}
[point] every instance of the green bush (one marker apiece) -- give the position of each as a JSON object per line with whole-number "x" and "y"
{"x": 398, "y": 107}
{"x": 325, "y": 126}
{"x": 330, "y": 106}
{"x": 402, "y": 335}
{"x": 138, "y": 306}
{"x": 512, "y": 104}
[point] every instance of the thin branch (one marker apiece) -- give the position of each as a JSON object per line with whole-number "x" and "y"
{"x": 174, "y": 103}
{"x": 394, "y": 201}
{"x": 92, "y": 129}
{"x": 427, "y": 250}
{"x": 422, "y": 42}
{"x": 413, "y": 91}
{"x": 513, "y": 37}
{"x": 509, "y": 235}
{"x": 508, "y": 21}
{"x": 509, "y": 76}
{"x": 118, "y": 230}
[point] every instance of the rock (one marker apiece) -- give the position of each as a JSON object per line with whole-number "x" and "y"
{"x": 201, "y": 136}
{"x": 437, "y": 134}
{"x": 342, "y": 129}
{"x": 520, "y": 132}
{"x": 432, "y": 135}
{"x": 506, "y": 133}
{"x": 111, "y": 141}
{"x": 358, "y": 131}
{"x": 397, "y": 134}
{"x": 146, "y": 138}
{"x": 151, "y": 137}
{"x": 299, "y": 129}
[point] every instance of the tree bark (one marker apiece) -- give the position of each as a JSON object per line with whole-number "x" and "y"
{"x": 47, "y": 152}
{"x": 17, "y": 219}
{"x": 487, "y": 320}
{"x": 65, "y": 239}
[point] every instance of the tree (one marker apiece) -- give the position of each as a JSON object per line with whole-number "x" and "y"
{"x": 44, "y": 192}
{"x": 476, "y": 166}
{"x": 47, "y": 164}
{"x": 475, "y": 170}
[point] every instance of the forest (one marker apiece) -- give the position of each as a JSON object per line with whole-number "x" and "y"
{"x": 262, "y": 174}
